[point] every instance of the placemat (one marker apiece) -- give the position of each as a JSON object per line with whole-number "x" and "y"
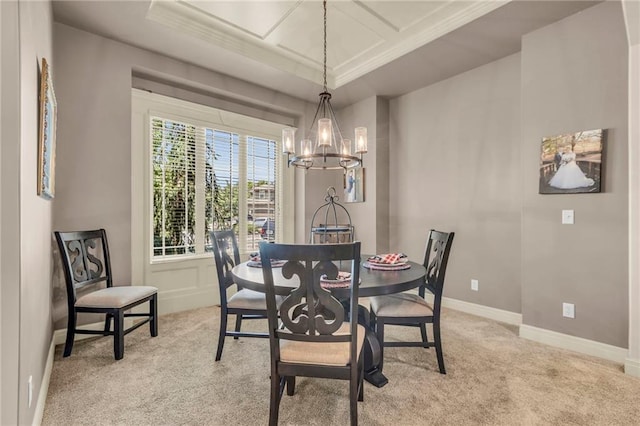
{"x": 274, "y": 263}
{"x": 343, "y": 281}
{"x": 388, "y": 259}
{"x": 386, "y": 267}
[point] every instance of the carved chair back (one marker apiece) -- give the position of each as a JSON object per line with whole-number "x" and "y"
{"x": 310, "y": 312}
{"x": 85, "y": 258}
{"x": 226, "y": 255}
{"x": 436, "y": 257}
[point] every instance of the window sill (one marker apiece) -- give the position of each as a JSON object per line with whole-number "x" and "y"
{"x": 180, "y": 258}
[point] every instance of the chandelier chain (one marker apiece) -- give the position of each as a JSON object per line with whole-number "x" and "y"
{"x": 331, "y": 151}
{"x": 324, "y": 3}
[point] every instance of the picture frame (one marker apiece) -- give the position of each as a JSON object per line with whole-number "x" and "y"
{"x": 572, "y": 163}
{"x": 47, "y": 116}
{"x": 354, "y": 185}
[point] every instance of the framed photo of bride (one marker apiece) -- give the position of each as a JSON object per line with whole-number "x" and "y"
{"x": 572, "y": 163}
{"x": 354, "y": 185}
{"x": 47, "y": 112}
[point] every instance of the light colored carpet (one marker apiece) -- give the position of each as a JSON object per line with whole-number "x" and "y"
{"x": 494, "y": 378}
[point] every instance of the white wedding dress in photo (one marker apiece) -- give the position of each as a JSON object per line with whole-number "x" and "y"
{"x": 569, "y": 175}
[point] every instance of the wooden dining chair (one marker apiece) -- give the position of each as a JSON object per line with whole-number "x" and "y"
{"x": 317, "y": 337}
{"x": 245, "y": 303}
{"x": 87, "y": 265}
{"x": 413, "y": 310}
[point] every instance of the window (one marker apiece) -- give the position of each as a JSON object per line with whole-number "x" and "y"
{"x": 208, "y": 176}
{"x": 173, "y": 187}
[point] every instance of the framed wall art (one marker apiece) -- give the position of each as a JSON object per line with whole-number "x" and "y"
{"x": 354, "y": 185}
{"x": 47, "y": 114}
{"x": 572, "y": 163}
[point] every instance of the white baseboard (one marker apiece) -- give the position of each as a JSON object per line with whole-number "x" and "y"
{"x": 44, "y": 386}
{"x": 548, "y": 337}
{"x": 573, "y": 343}
{"x": 170, "y": 302}
{"x": 632, "y": 367}
{"x": 60, "y": 336}
{"x": 495, "y": 314}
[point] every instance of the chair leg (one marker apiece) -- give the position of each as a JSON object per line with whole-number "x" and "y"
{"x": 107, "y": 324}
{"x": 380, "y": 335}
{"x": 118, "y": 335}
{"x": 291, "y": 385}
{"x": 274, "y": 400}
{"x": 353, "y": 395}
{"x": 223, "y": 332}
{"x": 153, "y": 313}
{"x": 238, "y": 323}
{"x": 361, "y": 378}
{"x": 438, "y": 342}
{"x": 71, "y": 331}
{"x": 423, "y": 332}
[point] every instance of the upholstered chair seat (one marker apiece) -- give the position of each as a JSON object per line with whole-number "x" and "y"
{"x": 115, "y": 297}
{"x": 401, "y": 305}
{"x": 334, "y": 353}
{"x": 249, "y": 299}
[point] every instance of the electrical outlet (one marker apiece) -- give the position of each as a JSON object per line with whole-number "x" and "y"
{"x": 568, "y": 310}
{"x": 30, "y": 390}
{"x": 474, "y": 285}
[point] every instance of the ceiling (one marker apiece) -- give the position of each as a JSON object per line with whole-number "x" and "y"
{"x": 384, "y": 48}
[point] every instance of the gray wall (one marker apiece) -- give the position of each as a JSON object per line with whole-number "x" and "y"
{"x": 9, "y": 211}
{"x": 455, "y": 166}
{"x": 574, "y": 77}
{"x": 94, "y": 134}
{"x": 465, "y": 156}
{"x": 26, "y": 218}
{"x": 382, "y": 182}
{"x": 35, "y": 224}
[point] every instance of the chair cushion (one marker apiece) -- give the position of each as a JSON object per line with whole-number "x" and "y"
{"x": 400, "y": 305}
{"x": 249, "y": 299}
{"x": 334, "y": 353}
{"x": 115, "y": 297}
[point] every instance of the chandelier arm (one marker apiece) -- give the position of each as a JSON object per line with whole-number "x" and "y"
{"x": 341, "y": 162}
{"x": 313, "y": 122}
{"x": 336, "y": 127}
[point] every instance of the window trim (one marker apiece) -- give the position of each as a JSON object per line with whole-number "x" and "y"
{"x": 146, "y": 105}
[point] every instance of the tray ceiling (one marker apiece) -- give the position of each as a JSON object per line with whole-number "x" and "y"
{"x": 382, "y": 48}
{"x": 288, "y": 35}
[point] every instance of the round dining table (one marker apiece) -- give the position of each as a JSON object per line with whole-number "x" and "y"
{"x": 372, "y": 283}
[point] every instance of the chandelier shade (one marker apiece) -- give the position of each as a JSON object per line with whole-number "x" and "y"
{"x": 330, "y": 151}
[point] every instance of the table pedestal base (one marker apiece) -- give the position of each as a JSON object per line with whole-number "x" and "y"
{"x": 372, "y": 373}
{"x": 376, "y": 378}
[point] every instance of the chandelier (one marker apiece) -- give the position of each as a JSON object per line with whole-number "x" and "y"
{"x": 329, "y": 151}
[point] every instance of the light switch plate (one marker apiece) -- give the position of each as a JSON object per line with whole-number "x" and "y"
{"x": 567, "y": 217}
{"x": 568, "y": 310}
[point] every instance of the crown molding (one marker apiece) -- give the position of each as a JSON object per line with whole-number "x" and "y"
{"x": 434, "y": 27}
{"x": 396, "y": 40}
{"x": 186, "y": 19}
